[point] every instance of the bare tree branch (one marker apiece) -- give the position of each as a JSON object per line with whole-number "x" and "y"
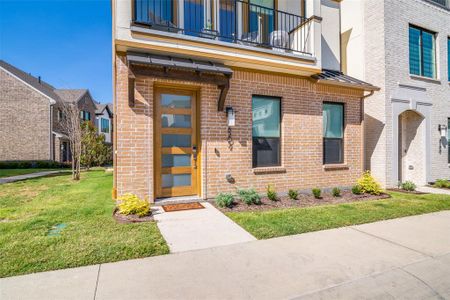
{"x": 71, "y": 126}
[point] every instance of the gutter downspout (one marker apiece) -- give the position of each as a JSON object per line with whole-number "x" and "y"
{"x": 363, "y": 136}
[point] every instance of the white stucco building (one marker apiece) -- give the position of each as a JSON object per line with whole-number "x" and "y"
{"x": 103, "y": 117}
{"x": 402, "y": 46}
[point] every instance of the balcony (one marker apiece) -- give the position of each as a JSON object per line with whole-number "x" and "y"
{"x": 229, "y": 21}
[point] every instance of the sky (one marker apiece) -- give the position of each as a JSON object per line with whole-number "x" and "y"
{"x": 66, "y": 42}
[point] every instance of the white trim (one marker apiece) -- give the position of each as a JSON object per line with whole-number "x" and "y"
{"x": 52, "y": 101}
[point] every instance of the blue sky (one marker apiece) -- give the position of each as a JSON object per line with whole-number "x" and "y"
{"x": 67, "y": 43}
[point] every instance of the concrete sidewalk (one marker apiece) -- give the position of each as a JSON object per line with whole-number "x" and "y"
{"x": 433, "y": 190}
{"x": 403, "y": 258}
{"x": 28, "y": 176}
{"x": 199, "y": 229}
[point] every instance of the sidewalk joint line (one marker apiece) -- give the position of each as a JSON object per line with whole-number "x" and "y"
{"x": 389, "y": 241}
{"x": 426, "y": 284}
{"x": 96, "y": 282}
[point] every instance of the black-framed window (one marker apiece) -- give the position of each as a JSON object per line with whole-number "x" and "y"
{"x": 448, "y": 57}
{"x": 104, "y": 125}
{"x": 266, "y": 131}
{"x": 85, "y": 115}
{"x": 333, "y": 133}
{"x": 422, "y": 53}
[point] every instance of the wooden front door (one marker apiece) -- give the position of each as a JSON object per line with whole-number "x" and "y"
{"x": 177, "y": 161}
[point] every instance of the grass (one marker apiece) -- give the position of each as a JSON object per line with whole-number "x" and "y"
{"x": 15, "y": 172}
{"x": 29, "y": 209}
{"x": 274, "y": 223}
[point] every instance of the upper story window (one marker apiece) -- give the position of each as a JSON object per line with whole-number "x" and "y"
{"x": 333, "y": 133}
{"x": 60, "y": 115}
{"x": 104, "y": 125}
{"x": 422, "y": 53}
{"x": 85, "y": 115}
{"x": 266, "y": 131}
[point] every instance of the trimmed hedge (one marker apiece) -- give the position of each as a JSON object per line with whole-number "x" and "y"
{"x": 30, "y": 164}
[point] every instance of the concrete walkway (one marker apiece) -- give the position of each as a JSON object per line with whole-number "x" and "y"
{"x": 407, "y": 258}
{"x": 199, "y": 229}
{"x": 27, "y": 176}
{"x": 432, "y": 190}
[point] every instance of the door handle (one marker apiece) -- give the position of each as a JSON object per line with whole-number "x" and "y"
{"x": 194, "y": 154}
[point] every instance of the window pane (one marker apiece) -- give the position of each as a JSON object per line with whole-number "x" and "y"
{"x": 266, "y": 152}
{"x": 428, "y": 54}
{"x": 178, "y": 121}
{"x": 414, "y": 51}
{"x": 448, "y": 138}
{"x": 175, "y": 101}
{"x": 266, "y": 116}
{"x": 176, "y": 160}
{"x": 332, "y": 151}
{"x": 173, "y": 180}
{"x": 448, "y": 58}
{"x": 333, "y": 120}
{"x": 176, "y": 140}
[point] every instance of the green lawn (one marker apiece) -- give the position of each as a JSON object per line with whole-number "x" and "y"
{"x": 29, "y": 209}
{"x": 14, "y": 172}
{"x": 268, "y": 224}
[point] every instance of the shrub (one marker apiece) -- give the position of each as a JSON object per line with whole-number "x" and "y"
{"x": 336, "y": 192}
{"x": 31, "y": 164}
{"x": 316, "y": 192}
{"x": 293, "y": 194}
{"x": 442, "y": 183}
{"x": 249, "y": 196}
{"x": 357, "y": 190}
{"x": 408, "y": 186}
{"x": 224, "y": 200}
{"x": 368, "y": 184}
{"x": 271, "y": 193}
{"x": 130, "y": 204}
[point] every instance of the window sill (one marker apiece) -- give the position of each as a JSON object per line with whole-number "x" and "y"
{"x": 332, "y": 167}
{"x": 427, "y": 79}
{"x": 269, "y": 170}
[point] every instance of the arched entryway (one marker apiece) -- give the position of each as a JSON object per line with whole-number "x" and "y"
{"x": 412, "y": 149}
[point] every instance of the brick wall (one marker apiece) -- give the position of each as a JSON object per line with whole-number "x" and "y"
{"x": 24, "y": 121}
{"x": 301, "y": 140}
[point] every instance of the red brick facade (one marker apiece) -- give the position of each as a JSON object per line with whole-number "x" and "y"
{"x": 301, "y": 137}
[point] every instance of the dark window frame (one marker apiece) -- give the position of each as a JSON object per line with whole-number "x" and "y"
{"x": 421, "y": 64}
{"x": 279, "y": 162}
{"x": 342, "y": 158}
{"x": 102, "y": 128}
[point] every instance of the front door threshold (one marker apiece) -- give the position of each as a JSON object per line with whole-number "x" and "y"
{"x": 176, "y": 200}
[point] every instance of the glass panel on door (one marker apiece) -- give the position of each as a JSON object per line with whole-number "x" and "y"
{"x": 175, "y": 143}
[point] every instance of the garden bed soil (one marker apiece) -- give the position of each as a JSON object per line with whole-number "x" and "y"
{"x": 407, "y": 192}
{"x": 126, "y": 219}
{"x": 303, "y": 200}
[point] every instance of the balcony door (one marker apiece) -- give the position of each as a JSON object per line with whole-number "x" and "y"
{"x": 261, "y": 19}
{"x": 194, "y": 17}
{"x": 175, "y": 140}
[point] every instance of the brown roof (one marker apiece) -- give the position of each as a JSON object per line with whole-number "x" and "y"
{"x": 70, "y": 95}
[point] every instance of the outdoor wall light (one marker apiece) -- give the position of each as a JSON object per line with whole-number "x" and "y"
{"x": 443, "y": 130}
{"x": 231, "y": 116}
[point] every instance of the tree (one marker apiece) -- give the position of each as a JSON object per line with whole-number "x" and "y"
{"x": 94, "y": 151}
{"x": 70, "y": 124}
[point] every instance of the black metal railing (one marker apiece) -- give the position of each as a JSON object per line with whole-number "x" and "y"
{"x": 233, "y": 21}
{"x": 445, "y": 3}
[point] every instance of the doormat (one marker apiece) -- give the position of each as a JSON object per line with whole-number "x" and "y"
{"x": 182, "y": 206}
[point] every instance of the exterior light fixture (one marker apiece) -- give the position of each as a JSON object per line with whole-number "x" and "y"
{"x": 443, "y": 130}
{"x": 231, "y": 116}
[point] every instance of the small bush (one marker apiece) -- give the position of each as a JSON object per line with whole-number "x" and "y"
{"x": 408, "y": 186}
{"x": 224, "y": 200}
{"x": 369, "y": 185}
{"x": 316, "y": 192}
{"x": 293, "y": 194}
{"x": 336, "y": 192}
{"x": 442, "y": 183}
{"x": 249, "y": 196}
{"x": 271, "y": 193}
{"x": 130, "y": 204}
{"x": 357, "y": 190}
{"x": 42, "y": 164}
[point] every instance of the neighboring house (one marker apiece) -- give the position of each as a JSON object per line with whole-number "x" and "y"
{"x": 402, "y": 46}
{"x": 30, "y": 115}
{"x": 211, "y": 95}
{"x": 104, "y": 119}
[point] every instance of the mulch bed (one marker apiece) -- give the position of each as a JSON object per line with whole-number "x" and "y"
{"x": 126, "y": 219}
{"x": 303, "y": 201}
{"x": 407, "y": 192}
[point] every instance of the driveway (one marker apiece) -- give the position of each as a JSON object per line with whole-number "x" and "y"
{"x": 402, "y": 258}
